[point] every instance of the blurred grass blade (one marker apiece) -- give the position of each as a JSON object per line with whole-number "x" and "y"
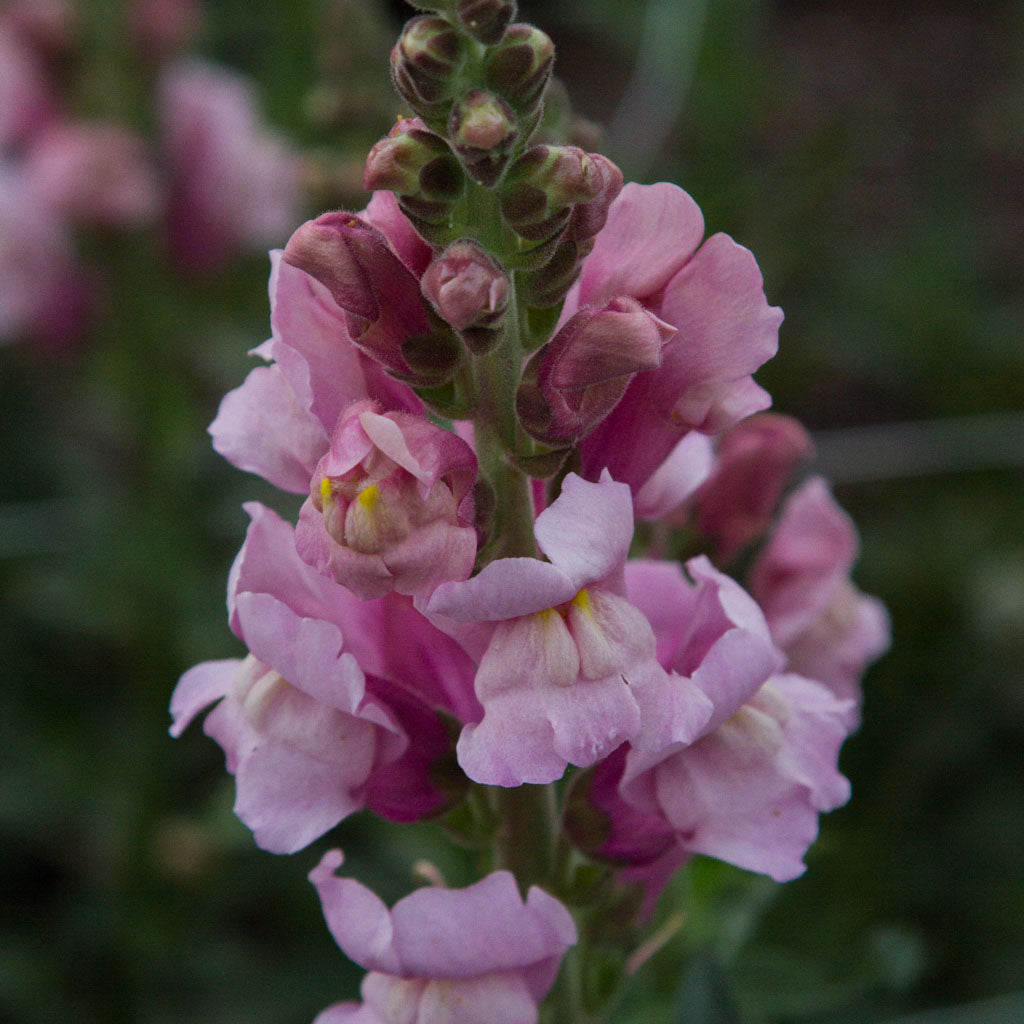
{"x": 706, "y": 994}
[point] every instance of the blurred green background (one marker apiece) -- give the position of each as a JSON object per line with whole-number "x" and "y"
{"x": 872, "y": 156}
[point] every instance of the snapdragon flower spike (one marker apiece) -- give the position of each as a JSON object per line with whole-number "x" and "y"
{"x": 279, "y": 422}
{"x": 391, "y": 505}
{"x": 572, "y": 383}
{"x": 828, "y": 629}
{"x": 712, "y": 294}
{"x": 567, "y": 668}
{"x": 381, "y": 298}
{"x": 479, "y": 955}
{"x": 466, "y": 286}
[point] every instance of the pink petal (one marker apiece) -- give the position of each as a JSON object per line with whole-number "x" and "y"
{"x": 587, "y": 530}
{"x": 198, "y": 687}
{"x": 505, "y": 589}
{"x": 651, "y": 231}
{"x": 263, "y": 428}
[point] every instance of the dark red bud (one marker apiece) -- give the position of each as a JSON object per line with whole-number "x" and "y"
{"x": 486, "y": 20}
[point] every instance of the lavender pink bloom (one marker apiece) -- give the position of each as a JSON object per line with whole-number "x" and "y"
{"x": 828, "y": 629}
{"x": 753, "y": 463}
{"x": 567, "y": 668}
{"x": 27, "y": 99}
{"x": 749, "y": 788}
{"x": 234, "y": 183}
{"x": 94, "y": 173}
{"x": 323, "y": 716}
{"x": 279, "y": 422}
{"x": 391, "y": 506}
{"x": 750, "y": 791}
{"x": 479, "y": 955}
{"x": 712, "y": 294}
{"x": 42, "y": 292}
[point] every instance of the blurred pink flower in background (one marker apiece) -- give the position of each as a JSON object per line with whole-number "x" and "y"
{"x": 42, "y": 291}
{"x": 94, "y": 174}
{"x": 234, "y": 183}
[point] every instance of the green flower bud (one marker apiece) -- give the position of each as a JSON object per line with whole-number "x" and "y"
{"x": 412, "y": 160}
{"x": 486, "y": 20}
{"x": 542, "y": 187}
{"x": 424, "y": 64}
{"x": 483, "y": 131}
{"x": 519, "y": 66}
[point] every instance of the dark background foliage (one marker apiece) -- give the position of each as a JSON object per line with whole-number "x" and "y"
{"x": 872, "y": 156}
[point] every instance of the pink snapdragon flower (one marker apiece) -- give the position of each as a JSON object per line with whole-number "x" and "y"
{"x": 234, "y": 183}
{"x": 567, "y": 668}
{"x": 748, "y": 789}
{"x": 828, "y": 629}
{"x": 323, "y": 717}
{"x": 27, "y": 99}
{"x": 390, "y": 506}
{"x": 753, "y": 463}
{"x": 42, "y": 292}
{"x": 279, "y": 422}
{"x": 479, "y": 955}
{"x": 94, "y": 174}
{"x": 729, "y": 486}
{"x": 712, "y": 294}
{"x": 749, "y": 792}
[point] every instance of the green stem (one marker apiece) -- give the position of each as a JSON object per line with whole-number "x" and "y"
{"x": 524, "y": 842}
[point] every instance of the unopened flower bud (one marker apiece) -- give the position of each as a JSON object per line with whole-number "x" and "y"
{"x": 466, "y": 286}
{"x": 589, "y": 217}
{"x": 424, "y": 62}
{"x": 412, "y": 160}
{"x": 483, "y": 131}
{"x": 486, "y": 20}
{"x": 379, "y": 294}
{"x": 542, "y": 186}
{"x": 576, "y": 380}
{"x": 520, "y": 66}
